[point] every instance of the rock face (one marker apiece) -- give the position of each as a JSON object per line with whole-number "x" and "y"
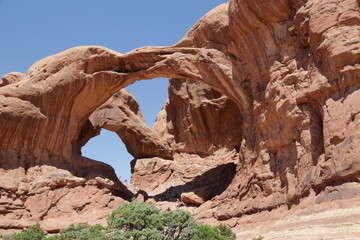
{"x": 278, "y": 127}
{"x": 200, "y": 119}
{"x": 308, "y": 63}
{"x": 187, "y": 173}
{"x": 121, "y": 114}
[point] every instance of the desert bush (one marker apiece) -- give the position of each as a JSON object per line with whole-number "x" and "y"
{"x": 32, "y": 233}
{"x": 178, "y": 225}
{"x": 135, "y": 216}
{"x": 214, "y": 233}
{"x": 140, "y": 220}
{"x": 136, "y": 221}
{"x": 81, "y": 231}
{"x": 225, "y": 231}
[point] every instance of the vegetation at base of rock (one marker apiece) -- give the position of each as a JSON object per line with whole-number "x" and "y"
{"x": 135, "y": 216}
{"x": 81, "y": 232}
{"x": 221, "y": 232}
{"x": 137, "y": 221}
{"x": 32, "y": 233}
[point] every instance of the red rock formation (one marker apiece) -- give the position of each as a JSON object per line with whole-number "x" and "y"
{"x": 196, "y": 119}
{"x": 290, "y": 152}
{"x": 289, "y": 71}
{"x": 121, "y": 114}
{"x": 200, "y": 119}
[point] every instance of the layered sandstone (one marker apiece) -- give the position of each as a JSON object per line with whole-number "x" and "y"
{"x": 282, "y": 110}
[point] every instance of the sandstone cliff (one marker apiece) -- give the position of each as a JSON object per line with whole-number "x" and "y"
{"x": 278, "y": 128}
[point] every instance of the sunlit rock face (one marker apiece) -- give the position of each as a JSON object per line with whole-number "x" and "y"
{"x": 264, "y": 96}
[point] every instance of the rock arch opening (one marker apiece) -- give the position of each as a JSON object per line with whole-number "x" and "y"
{"x": 117, "y": 117}
{"x": 189, "y": 123}
{"x": 107, "y": 147}
{"x": 151, "y": 97}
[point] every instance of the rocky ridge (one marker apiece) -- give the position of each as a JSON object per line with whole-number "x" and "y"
{"x": 264, "y": 93}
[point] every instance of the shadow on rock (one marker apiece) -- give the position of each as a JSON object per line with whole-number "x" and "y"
{"x": 202, "y": 188}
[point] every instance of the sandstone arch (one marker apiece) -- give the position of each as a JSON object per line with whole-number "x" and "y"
{"x": 87, "y": 77}
{"x": 291, "y": 67}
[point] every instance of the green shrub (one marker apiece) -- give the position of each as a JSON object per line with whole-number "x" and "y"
{"x": 32, "y": 233}
{"x": 179, "y": 225}
{"x": 135, "y": 216}
{"x": 55, "y": 237}
{"x": 136, "y": 221}
{"x": 142, "y": 221}
{"x": 213, "y": 233}
{"x": 225, "y": 231}
{"x": 81, "y": 232}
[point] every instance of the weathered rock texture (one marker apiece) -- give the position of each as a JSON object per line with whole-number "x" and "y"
{"x": 168, "y": 180}
{"x": 121, "y": 114}
{"x": 285, "y": 80}
{"x": 199, "y": 119}
{"x": 332, "y": 217}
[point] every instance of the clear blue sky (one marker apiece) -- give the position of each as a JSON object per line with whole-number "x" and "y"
{"x": 32, "y": 30}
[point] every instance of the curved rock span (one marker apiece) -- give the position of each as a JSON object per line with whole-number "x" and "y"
{"x": 262, "y": 96}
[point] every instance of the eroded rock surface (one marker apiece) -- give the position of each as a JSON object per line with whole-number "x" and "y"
{"x": 168, "y": 180}
{"x": 121, "y": 114}
{"x": 284, "y": 101}
{"x": 199, "y": 119}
